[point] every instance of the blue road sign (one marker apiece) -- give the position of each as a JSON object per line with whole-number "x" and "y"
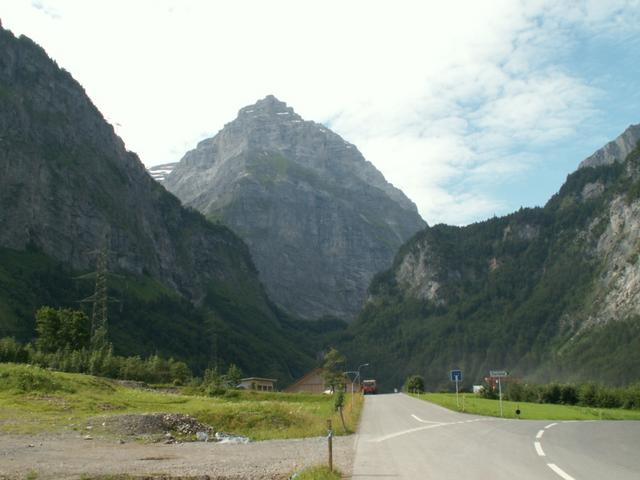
{"x": 456, "y": 375}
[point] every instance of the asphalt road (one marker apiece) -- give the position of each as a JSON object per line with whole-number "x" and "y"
{"x": 404, "y": 438}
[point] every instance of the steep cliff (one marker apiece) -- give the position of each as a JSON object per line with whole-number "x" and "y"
{"x": 319, "y": 219}
{"x": 69, "y": 187}
{"x": 546, "y": 293}
{"x": 616, "y": 150}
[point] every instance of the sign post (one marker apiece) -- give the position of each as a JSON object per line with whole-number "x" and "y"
{"x": 499, "y": 374}
{"x": 456, "y": 376}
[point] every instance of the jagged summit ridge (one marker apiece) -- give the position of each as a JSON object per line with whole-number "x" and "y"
{"x": 616, "y": 150}
{"x": 269, "y": 105}
{"x": 271, "y": 125}
{"x": 319, "y": 218}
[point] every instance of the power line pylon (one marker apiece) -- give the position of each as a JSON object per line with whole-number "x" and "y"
{"x": 99, "y": 299}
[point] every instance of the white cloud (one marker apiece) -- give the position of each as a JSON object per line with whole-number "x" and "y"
{"x": 444, "y": 98}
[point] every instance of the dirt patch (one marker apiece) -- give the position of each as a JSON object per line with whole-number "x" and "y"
{"x": 67, "y": 456}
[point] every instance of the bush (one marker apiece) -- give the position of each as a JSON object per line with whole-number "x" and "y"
{"x": 608, "y": 398}
{"x": 488, "y": 391}
{"x": 414, "y": 384}
{"x": 568, "y": 394}
{"x": 12, "y": 351}
{"x": 515, "y": 392}
{"x": 551, "y": 393}
{"x": 587, "y": 395}
{"x": 631, "y": 397}
{"x": 27, "y": 379}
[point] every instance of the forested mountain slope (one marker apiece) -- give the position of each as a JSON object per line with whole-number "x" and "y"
{"x": 186, "y": 287}
{"x": 546, "y": 293}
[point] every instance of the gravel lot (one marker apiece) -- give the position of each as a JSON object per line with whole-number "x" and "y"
{"x": 69, "y": 456}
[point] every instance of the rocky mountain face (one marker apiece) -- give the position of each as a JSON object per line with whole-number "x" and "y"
{"x": 548, "y": 293}
{"x": 616, "y": 150}
{"x": 319, "y": 219}
{"x": 68, "y": 187}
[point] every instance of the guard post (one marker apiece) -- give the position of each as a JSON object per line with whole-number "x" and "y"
{"x": 330, "y": 440}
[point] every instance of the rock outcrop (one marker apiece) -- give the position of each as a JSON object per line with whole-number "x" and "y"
{"x": 319, "y": 219}
{"x": 616, "y": 150}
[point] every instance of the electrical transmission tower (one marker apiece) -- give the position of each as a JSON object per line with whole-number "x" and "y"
{"x": 99, "y": 299}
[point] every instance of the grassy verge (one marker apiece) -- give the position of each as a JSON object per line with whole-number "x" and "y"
{"x": 318, "y": 473}
{"x": 34, "y": 400}
{"x": 528, "y": 411}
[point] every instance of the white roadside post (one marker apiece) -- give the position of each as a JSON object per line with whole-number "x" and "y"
{"x": 500, "y": 394}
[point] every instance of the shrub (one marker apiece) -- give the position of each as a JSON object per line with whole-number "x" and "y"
{"x": 568, "y": 394}
{"x": 551, "y": 393}
{"x": 587, "y": 394}
{"x": 27, "y": 379}
{"x": 12, "y": 351}
{"x": 515, "y": 392}
{"x": 608, "y": 398}
{"x": 631, "y": 397}
{"x": 414, "y": 384}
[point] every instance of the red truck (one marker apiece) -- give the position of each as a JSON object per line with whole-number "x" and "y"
{"x": 369, "y": 386}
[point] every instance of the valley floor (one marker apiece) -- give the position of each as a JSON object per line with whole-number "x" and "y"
{"x": 69, "y": 456}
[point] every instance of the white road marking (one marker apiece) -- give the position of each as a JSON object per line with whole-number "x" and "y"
{"x": 405, "y": 432}
{"x": 560, "y": 472}
{"x": 557, "y": 470}
{"x": 426, "y": 427}
{"x": 425, "y": 421}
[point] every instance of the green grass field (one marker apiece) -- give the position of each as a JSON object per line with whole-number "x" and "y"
{"x": 34, "y": 400}
{"x": 528, "y": 411}
{"x": 318, "y": 473}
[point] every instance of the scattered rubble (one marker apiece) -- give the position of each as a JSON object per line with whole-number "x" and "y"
{"x": 169, "y": 424}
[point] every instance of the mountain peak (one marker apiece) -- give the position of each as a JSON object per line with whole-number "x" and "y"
{"x": 319, "y": 219}
{"x": 269, "y": 105}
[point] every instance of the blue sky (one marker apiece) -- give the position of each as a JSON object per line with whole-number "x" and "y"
{"x": 472, "y": 108}
{"x": 611, "y": 65}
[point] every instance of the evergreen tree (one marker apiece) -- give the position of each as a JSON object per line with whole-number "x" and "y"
{"x": 333, "y": 368}
{"x": 234, "y": 375}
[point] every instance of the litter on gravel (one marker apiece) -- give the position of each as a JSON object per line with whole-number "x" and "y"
{"x": 222, "y": 437}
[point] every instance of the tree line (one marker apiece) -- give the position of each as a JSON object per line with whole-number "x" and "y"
{"x": 65, "y": 342}
{"x": 585, "y": 394}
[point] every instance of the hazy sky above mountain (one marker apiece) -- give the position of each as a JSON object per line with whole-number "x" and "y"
{"x": 472, "y": 108}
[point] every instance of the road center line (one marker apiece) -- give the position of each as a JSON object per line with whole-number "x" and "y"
{"x": 550, "y": 425}
{"x": 425, "y": 421}
{"x": 560, "y": 472}
{"x": 539, "y": 450}
{"x": 540, "y": 433}
{"x": 405, "y": 432}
